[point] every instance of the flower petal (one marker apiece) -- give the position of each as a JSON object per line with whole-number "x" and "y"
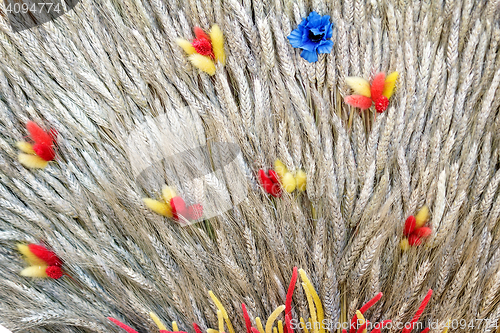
{"x": 377, "y": 85}
{"x": 414, "y": 240}
{"x": 200, "y": 33}
{"x": 358, "y": 101}
{"x": 186, "y": 45}
{"x": 409, "y": 225}
{"x": 29, "y": 256}
{"x": 359, "y": 85}
{"x": 25, "y": 147}
{"x": 423, "y": 232}
{"x": 128, "y": 329}
{"x": 202, "y": 62}
{"x": 45, "y": 254}
{"x": 422, "y": 217}
{"x": 217, "y": 39}
{"x": 314, "y": 19}
{"x": 295, "y": 38}
{"x": 38, "y": 134}
{"x": 325, "y": 20}
{"x": 390, "y": 82}
{"x": 280, "y": 168}
{"x": 301, "y": 179}
{"x": 158, "y": 207}
{"x": 310, "y": 56}
{"x": 35, "y": 271}
{"x": 329, "y": 31}
{"x": 288, "y": 182}
{"x": 325, "y": 47}
{"x": 309, "y": 45}
{"x": 32, "y": 161}
{"x": 317, "y": 31}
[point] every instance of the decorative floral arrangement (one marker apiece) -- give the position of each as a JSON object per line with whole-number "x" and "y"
{"x": 174, "y": 206}
{"x": 358, "y": 323}
{"x": 415, "y": 230}
{"x": 43, "y": 262}
{"x": 378, "y": 93}
{"x": 281, "y": 177}
{"x": 105, "y": 76}
{"x": 313, "y": 36}
{"x": 37, "y": 155}
{"x": 205, "y": 49}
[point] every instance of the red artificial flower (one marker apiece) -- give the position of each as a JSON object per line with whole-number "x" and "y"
{"x": 270, "y": 183}
{"x": 377, "y": 93}
{"x": 43, "y": 262}
{"x": 414, "y": 233}
{"x": 179, "y": 208}
{"x": 202, "y": 43}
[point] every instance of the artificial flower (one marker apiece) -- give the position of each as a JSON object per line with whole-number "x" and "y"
{"x": 173, "y": 206}
{"x": 37, "y": 155}
{"x": 290, "y": 181}
{"x": 202, "y": 43}
{"x": 43, "y": 262}
{"x": 415, "y": 230}
{"x": 179, "y": 209}
{"x": 313, "y": 36}
{"x": 270, "y": 182}
{"x": 205, "y": 49}
{"x": 377, "y": 93}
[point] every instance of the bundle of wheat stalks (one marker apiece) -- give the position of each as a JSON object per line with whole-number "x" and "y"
{"x": 109, "y": 77}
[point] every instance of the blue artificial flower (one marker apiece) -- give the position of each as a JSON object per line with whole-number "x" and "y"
{"x": 313, "y": 36}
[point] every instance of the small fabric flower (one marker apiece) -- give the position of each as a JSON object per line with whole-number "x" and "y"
{"x": 290, "y": 181}
{"x": 173, "y": 206}
{"x": 313, "y": 36}
{"x": 205, "y": 49}
{"x": 270, "y": 182}
{"x": 37, "y": 155}
{"x": 378, "y": 92}
{"x": 43, "y": 262}
{"x": 415, "y": 229}
{"x": 179, "y": 209}
{"x": 281, "y": 177}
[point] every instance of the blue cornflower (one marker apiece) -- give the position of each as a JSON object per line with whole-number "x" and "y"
{"x": 313, "y": 36}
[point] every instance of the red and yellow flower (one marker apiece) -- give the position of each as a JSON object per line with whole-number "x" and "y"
{"x": 43, "y": 262}
{"x": 37, "y": 155}
{"x": 366, "y": 94}
{"x": 205, "y": 49}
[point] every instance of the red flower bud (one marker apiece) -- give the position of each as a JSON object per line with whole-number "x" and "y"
{"x": 54, "y": 272}
{"x": 423, "y": 232}
{"x": 409, "y": 225}
{"x": 268, "y": 184}
{"x": 44, "y": 151}
{"x": 414, "y": 240}
{"x": 46, "y": 255}
{"x": 203, "y": 46}
{"x": 381, "y": 104}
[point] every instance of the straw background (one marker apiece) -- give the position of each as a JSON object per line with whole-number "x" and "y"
{"x": 101, "y": 70}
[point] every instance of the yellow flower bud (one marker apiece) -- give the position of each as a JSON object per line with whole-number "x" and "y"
{"x": 280, "y": 168}
{"x": 25, "y": 147}
{"x": 168, "y": 193}
{"x": 422, "y": 217}
{"x": 158, "y": 207}
{"x": 405, "y": 246}
{"x": 301, "y": 180}
{"x": 288, "y": 182}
